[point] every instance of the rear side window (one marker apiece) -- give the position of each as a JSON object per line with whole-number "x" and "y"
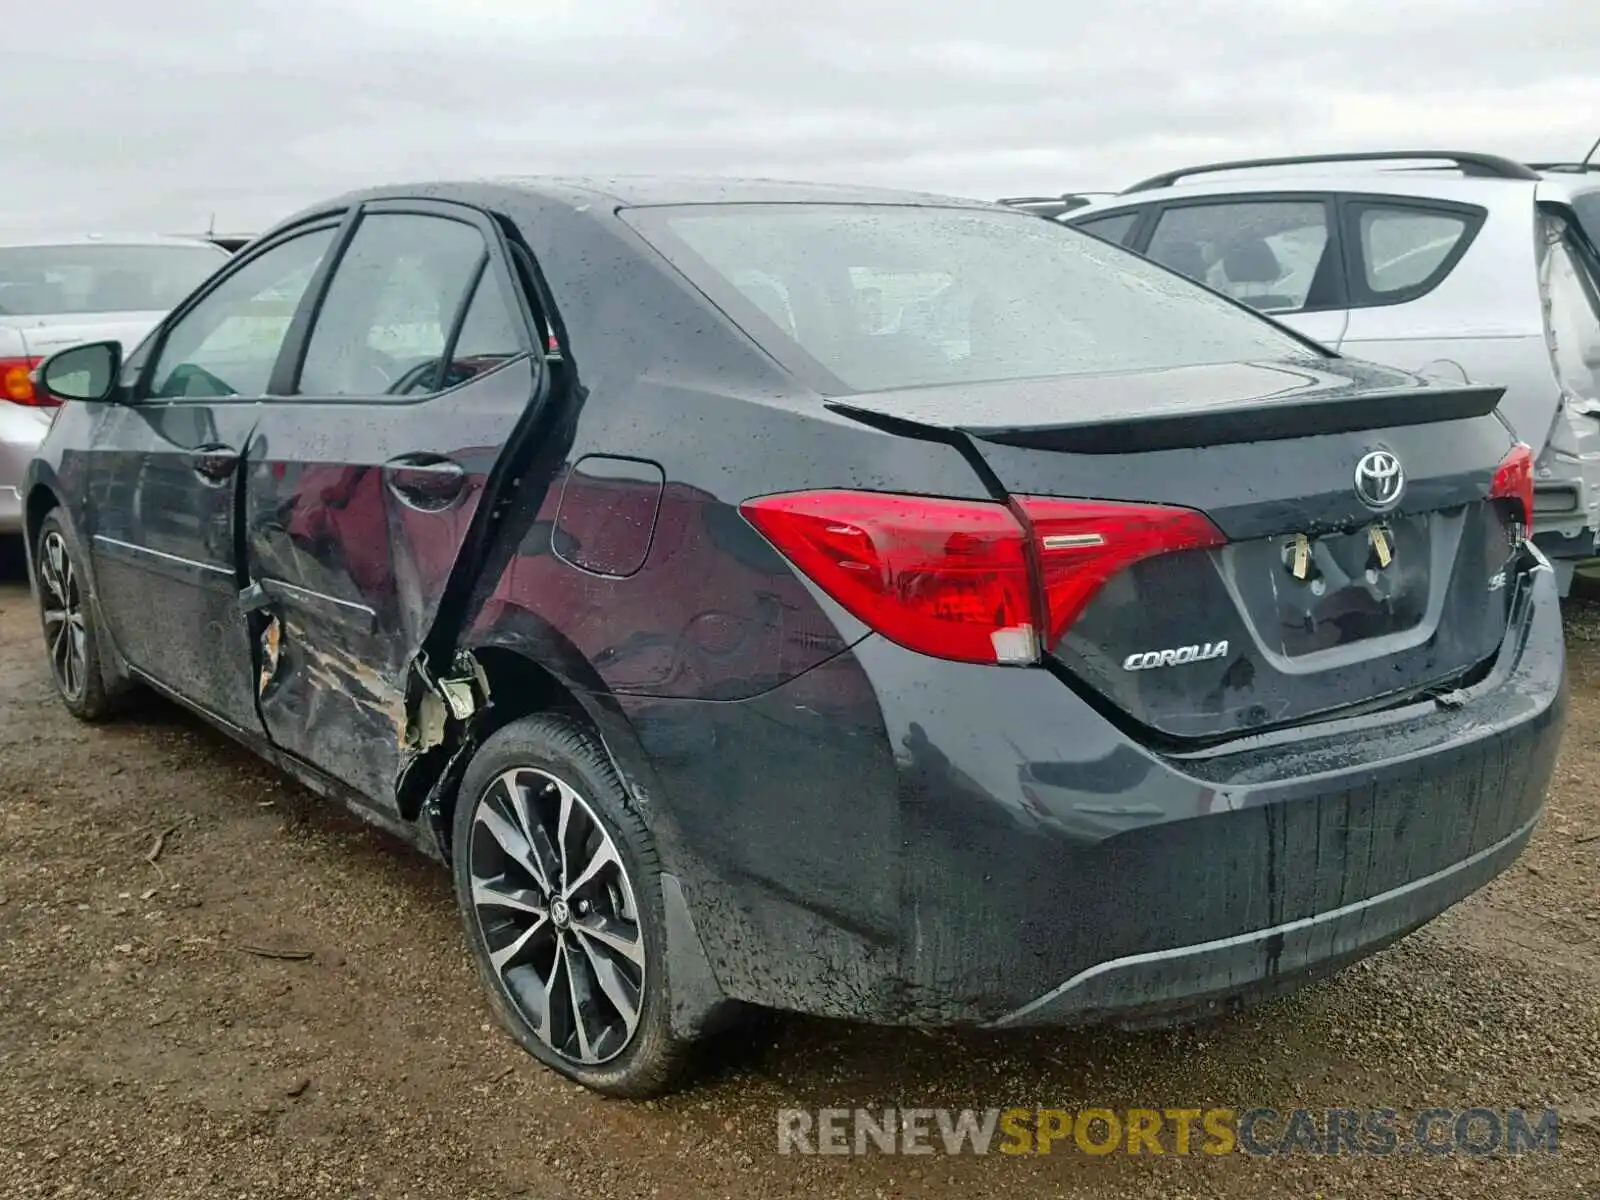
{"x": 890, "y": 296}
{"x": 1406, "y": 250}
{"x": 491, "y": 333}
{"x": 1264, "y": 253}
{"x": 1114, "y": 228}
{"x": 391, "y": 305}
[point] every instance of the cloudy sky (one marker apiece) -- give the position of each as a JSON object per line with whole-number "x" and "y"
{"x": 158, "y": 113}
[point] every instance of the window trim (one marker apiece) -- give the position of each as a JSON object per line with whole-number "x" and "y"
{"x": 495, "y": 258}
{"x": 1135, "y": 227}
{"x": 139, "y": 393}
{"x": 1353, "y": 204}
{"x": 1339, "y": 298}
{"x": 469, "y": 297}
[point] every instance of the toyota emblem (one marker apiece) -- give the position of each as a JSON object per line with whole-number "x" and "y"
{"x": 1380, "y": 480}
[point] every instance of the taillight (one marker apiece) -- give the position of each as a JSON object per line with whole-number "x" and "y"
{"x": 16, "y": 383}
{"x": 1513, "y": 480}
{"x": 1083, "y": 543}
{"x": 968, "y": 580}
{"x": 945, "y": 577}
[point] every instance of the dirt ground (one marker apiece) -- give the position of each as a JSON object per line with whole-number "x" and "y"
{"x": 146, "y": 1052}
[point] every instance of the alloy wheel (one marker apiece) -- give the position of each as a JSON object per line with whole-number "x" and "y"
{"x": 557, "y": 914}
{"x": 65, "y": 632}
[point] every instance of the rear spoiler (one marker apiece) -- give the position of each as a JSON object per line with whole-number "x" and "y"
{"x": 1255, "y": 421}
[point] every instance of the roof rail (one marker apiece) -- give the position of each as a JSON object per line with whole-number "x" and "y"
{"x": 1489, "y": 166}
{"x": 1567, "y": 168}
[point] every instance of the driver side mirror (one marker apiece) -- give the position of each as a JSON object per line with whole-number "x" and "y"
{"x": 89, "y": 372}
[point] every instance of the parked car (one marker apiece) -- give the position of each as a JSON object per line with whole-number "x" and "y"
{"x": 1430, "y": 269}
{"x": 57, "y": 292}
{"x": 853, "y": 602}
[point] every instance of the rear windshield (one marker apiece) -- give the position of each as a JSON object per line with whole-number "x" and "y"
{"x": 40, "y": 281}
{"x": 888, "y": 297}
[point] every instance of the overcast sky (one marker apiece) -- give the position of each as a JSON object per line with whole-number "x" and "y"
{"x": 156, "y": 114}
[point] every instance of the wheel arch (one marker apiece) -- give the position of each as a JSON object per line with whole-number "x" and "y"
{"x": 530, "y": 666}
{"x": 41, "y": 501}
{"x": 520, "y": 685}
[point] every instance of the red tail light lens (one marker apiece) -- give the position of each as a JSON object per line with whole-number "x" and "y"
{"x": 16, "y": 383}
{"x": 1513, "y": 480}
{"x": 944, "y": 577}
{"x": 1083, "y": 543}
{"x": 956, "y": 579}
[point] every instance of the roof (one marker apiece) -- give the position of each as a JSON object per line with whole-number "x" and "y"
{"x": 1432, "y": 185}
{"x": 1423, "y": 184}
{"x": 643, "y": 190}
{"x": 1563, "y": 185}
{"x": 105, "y": 239}
{"x": 1477, "y": 178}
{"x": 635, "y": 191}
{"x": 1468, "y": 162}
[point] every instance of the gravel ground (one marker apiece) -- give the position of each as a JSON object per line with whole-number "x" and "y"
{"x": 146, "y": 1052}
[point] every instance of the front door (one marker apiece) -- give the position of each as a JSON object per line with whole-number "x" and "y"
{"x": 161, "y": 509}
{"x": 361, "y": 487}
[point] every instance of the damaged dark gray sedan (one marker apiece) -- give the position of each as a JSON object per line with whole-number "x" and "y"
{"x": 867, "y": 604}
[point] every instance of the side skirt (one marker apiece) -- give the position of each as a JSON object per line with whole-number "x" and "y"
{"x": 415, "y": 835}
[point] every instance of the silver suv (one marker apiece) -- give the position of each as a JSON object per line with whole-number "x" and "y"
{"x": 1474, "y": 267}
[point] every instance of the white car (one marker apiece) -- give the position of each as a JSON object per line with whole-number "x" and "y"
{"x": 60, "y": 292}
{"x": 1475, "y": 267}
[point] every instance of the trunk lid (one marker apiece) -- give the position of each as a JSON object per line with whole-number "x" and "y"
{"x": 44, "y": 335}
{"x": 1318, "y": 601}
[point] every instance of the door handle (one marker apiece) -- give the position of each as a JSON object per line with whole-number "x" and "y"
{"x": 425, "y": 481}
{"x": 214, "y": 463}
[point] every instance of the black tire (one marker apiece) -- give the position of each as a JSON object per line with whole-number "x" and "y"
{"x": 72, "y": 644}
{"x": 537, "y": 755}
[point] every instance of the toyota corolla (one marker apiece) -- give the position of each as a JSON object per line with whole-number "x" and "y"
{"x": 873, "y": 605}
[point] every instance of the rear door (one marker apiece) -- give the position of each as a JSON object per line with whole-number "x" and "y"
{"x": 1278, "y": 254}
{"x": 1569, "y": 281}
{"x": 364, "y": 485}
{"x": 1569, "y": 286}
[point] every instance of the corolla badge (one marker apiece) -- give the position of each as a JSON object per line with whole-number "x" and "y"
{"x": 1380, "y": 480}
{"x": 1176, "y": 657}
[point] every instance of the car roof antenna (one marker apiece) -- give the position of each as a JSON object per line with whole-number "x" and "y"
{"x": 1589, "y": 157}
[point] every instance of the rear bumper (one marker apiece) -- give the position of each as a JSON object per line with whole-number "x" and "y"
{"x": 903, "y": 840}
{"x": 1575, "y": 546}
{"x": 1198, "y": 979}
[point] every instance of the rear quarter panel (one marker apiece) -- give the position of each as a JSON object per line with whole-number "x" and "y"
{"x": 656, "y": 373}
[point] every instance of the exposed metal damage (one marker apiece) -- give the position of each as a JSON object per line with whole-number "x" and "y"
{"x": 440, "y": 719}
{"x": 269, "y": 644}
